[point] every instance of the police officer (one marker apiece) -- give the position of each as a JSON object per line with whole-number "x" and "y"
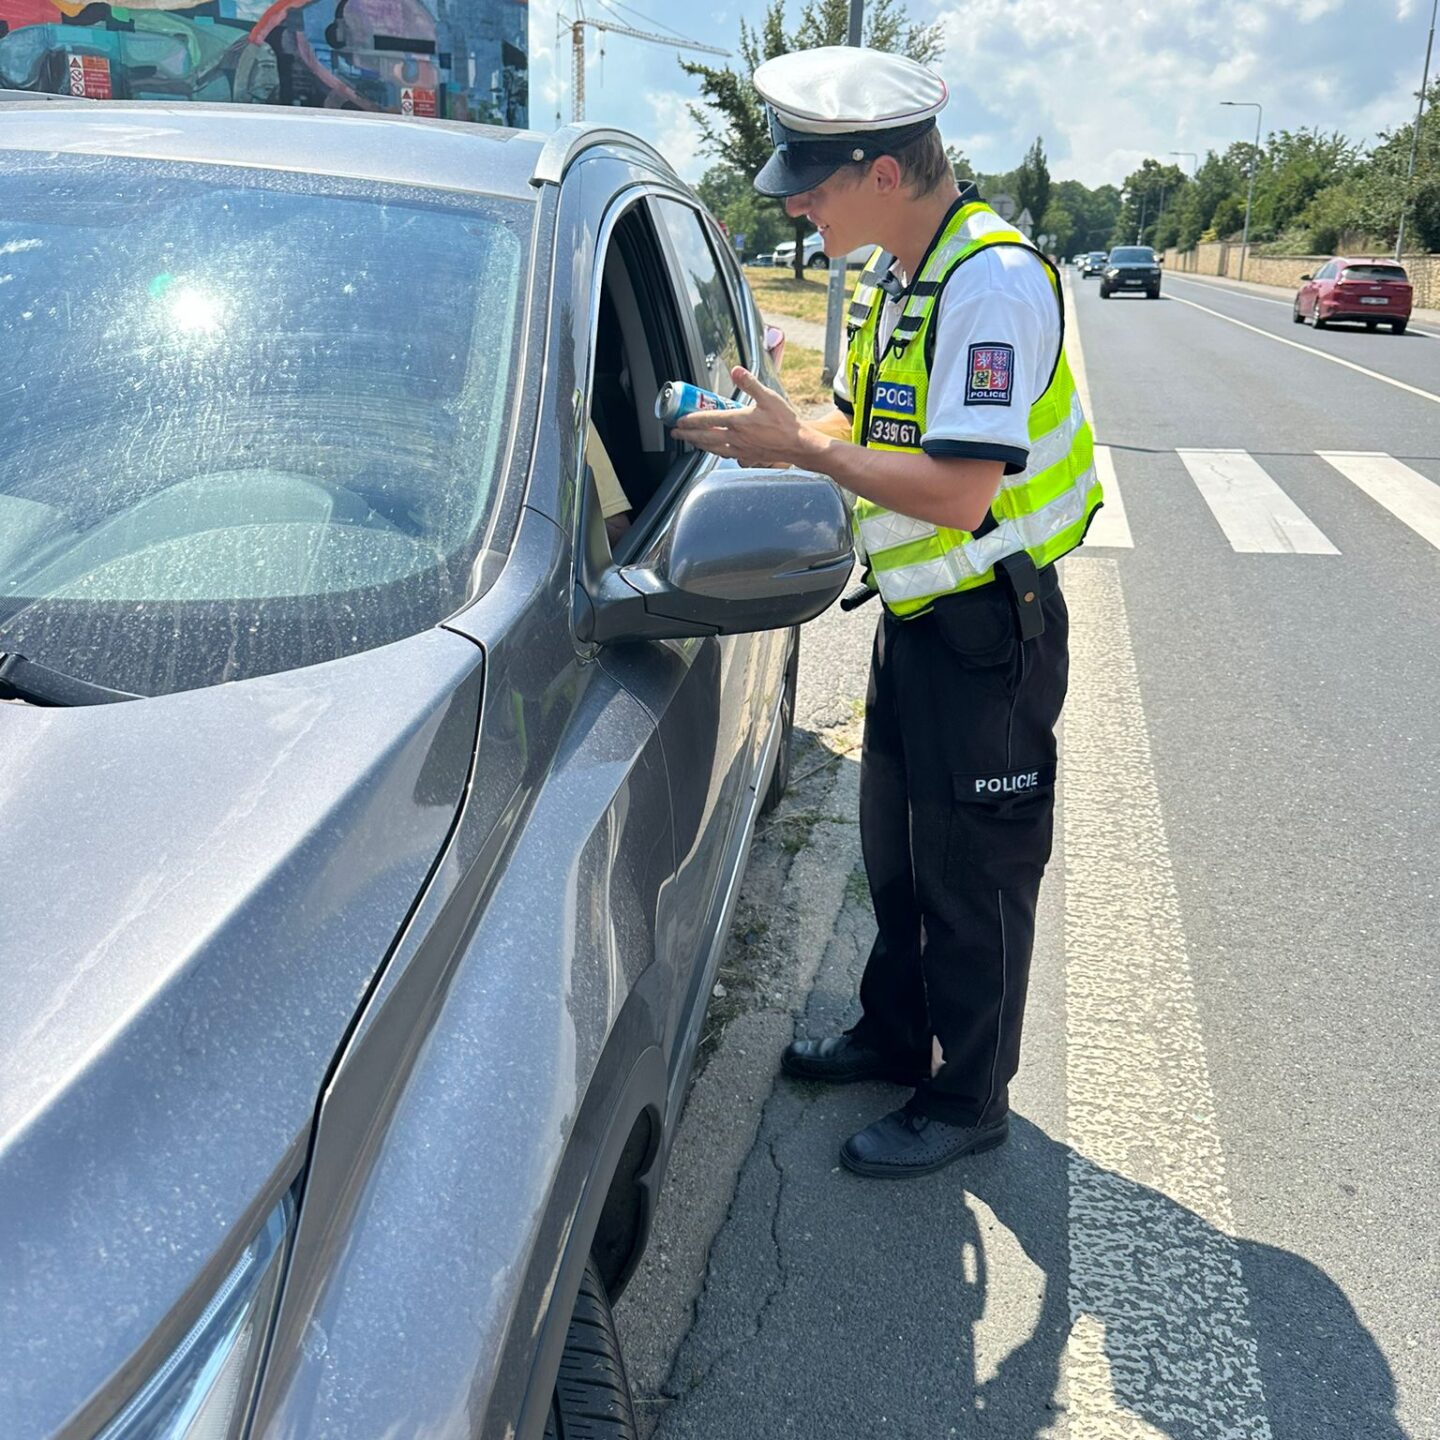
{"x": 959, "y": 432}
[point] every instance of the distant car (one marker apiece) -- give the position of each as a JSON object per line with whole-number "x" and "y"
{"x": 1373, "y": 291}
{"x": 814, "y": 254}
{"x": 1093, "y": 263}
{"x": 1131, "y": 268}
{"x": 767, "y": 259}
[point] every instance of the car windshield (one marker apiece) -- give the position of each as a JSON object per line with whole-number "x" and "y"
{"x": 249, "y": 420}
{"x": 1132, "y": 255}
{"x": 1373, "y": 272}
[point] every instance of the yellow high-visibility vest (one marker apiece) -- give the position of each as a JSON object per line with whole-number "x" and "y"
{"x": 1045, "y": 510}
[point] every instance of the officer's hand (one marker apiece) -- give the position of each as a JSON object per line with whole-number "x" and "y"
{"x": 766, "y": 433}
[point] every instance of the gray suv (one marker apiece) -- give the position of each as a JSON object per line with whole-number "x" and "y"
{"x": 388, "y": 701}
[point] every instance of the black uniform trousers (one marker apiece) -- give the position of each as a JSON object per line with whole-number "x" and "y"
{"x": 957, "y": 793}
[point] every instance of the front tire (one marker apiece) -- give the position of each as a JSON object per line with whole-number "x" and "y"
{"x": 1104, "y": 292}
{"x": 780, "y": 776}
{"x": 1152, "y": 294}
{"x": 592, "y": 1394}
{"x": 1296, "y": 316}
{"x": 817, "y": 262}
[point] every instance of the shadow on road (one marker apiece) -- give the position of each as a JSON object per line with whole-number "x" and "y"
{"x": 1166, "y": 1344}
{"x": 838, "y": 1307}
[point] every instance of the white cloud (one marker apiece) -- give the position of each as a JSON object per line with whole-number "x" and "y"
{"x": 1104, "y": 83}
{"x": 674, "y": 133}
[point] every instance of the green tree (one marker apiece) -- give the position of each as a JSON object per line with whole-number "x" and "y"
{"x": 960, "y": 164}
{"x": 1294, "y": 168}
{"x": 1217, "y": 179}
{"x": 1032, "y": 183}
{"x": 731, "y": 197}
{"x": 1094, "y": 212}
{"x": 1061, "y": 224}
{"x": 1383, "y": 188}
{"x": 1148, "y": 192}
{"x": 731, "y": 116}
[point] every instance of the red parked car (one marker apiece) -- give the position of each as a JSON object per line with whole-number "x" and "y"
{"x": 1375, "y": 291}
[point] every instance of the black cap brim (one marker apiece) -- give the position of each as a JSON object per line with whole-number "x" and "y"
{"x": 789, "y": 171}
{"x": 802, "y": 161}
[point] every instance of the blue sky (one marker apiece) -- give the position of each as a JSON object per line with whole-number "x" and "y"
{"x": 1106, "y": 82}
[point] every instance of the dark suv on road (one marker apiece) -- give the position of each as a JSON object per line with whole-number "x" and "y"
{"x": 1131, "y": 268}
{"x": 376, "y": 794}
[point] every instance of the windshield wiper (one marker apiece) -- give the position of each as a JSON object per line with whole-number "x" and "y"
{"x": 22, "y": 679}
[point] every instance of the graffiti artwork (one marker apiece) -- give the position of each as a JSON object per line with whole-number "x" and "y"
{"x": 454, "y": 59}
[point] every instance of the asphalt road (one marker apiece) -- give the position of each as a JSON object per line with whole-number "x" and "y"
{"x": 1217, "y": 1216}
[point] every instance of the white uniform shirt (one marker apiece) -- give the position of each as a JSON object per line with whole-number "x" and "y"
{"x": 997, "y": 339}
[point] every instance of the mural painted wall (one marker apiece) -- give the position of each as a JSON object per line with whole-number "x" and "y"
{"x": 456, "y": 59}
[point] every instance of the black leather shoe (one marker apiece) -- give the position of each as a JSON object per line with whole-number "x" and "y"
{"x": 903, "y": 1145}
{"x": 841, "y": 1060}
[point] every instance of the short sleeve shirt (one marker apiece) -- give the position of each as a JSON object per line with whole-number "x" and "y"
{"x": 997, "y": 339}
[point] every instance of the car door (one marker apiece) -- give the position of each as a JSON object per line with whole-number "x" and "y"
{"x": 657, "y": 313}
{"x": 1324, "y": 284}
{"x": 743, "y": 668}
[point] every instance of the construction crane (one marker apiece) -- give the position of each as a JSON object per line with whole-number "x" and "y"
{"x": 577, "y": 50}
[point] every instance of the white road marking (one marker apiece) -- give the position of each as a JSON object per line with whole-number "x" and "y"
{"x": 1229, "y": 290}
{"x": 1270, "y": 300}
{"x": 1074, "y": 351}
{"x": 1311, "y": 350}
{"x": 1408, "y": 495}
{"x": 1162, "y": 1342}
{"x": 1111, "y": 526}
{"x": 1257, "y": 516}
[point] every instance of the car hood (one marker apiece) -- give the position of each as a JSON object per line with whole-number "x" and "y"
{"x": 198, "y": 890}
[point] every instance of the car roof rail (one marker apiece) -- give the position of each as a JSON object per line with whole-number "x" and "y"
{"x": 565, "y": 146}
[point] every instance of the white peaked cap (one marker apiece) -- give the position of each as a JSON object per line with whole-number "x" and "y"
{"x": 848, "y": 89}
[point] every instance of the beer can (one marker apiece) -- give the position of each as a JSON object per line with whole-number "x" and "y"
{"x": 678, "y": 399}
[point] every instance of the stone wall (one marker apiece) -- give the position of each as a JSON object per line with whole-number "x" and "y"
{"x": 1222, "y": 259}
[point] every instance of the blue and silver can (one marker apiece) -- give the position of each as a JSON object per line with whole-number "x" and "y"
{"x": 678, "y": 399}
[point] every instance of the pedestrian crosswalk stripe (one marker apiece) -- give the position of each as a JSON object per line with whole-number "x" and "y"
{"x": 1407, "y": 494}
{"x": 1257, "y": 516}
{"x": 1111, "y": 526}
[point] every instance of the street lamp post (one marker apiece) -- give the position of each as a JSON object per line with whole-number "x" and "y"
{"x": 1415, "y": 138}
{"x": 1194, "y": 161}
{"x": 1254, "y": 166}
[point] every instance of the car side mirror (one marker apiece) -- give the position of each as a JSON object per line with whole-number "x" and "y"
{"x": 1307, "y": 277}
{"x": 745, "y": 550}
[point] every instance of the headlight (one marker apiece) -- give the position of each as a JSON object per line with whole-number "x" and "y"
{"x": 204, "y": 1390}
{"x": 1112, "y": 272}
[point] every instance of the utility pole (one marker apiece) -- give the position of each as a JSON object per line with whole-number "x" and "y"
{"x": 577, "y": 52}
{"x": 835, "y": 301}
{"x": 1254, "y": 166}
{"x": 1415, "y": 138}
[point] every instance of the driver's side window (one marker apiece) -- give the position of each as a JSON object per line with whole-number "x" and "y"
{"x": 631, "y": 462}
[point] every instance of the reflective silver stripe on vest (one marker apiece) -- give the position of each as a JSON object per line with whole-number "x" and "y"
{"x": 881, "y": 532}
{"x": 885, "y": 531}
{"x": 1050, "y": 449}
{"x": 969, "y": 561}
{"x": 985, "y": 222}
